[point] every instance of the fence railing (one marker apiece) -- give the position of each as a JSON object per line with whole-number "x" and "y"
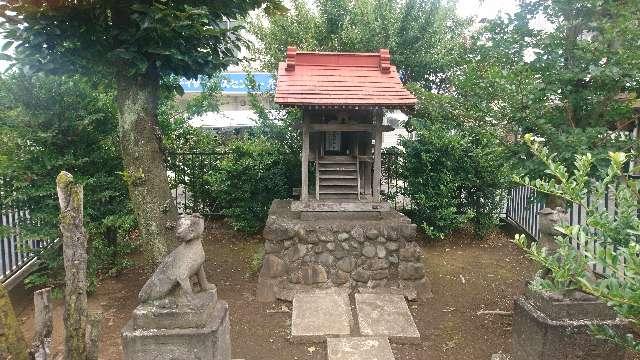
{"x": 14, "y": 251}
{"x": 189, "y": 186}
{"x": 187, "y": 178}
{"x": 522, "y": 210}
{"x": 391, "y": 184}
{"x": 524, "y": 204}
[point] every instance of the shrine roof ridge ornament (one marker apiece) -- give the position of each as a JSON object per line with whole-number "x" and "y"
{"x": 381, "y": 59}
{"x": 341, "y": 80}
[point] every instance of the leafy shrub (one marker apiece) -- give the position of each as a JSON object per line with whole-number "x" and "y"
{"x": 49, "y": 124}
{"x": 260, "y": 167}
{"x": 453, "y": 172}
{"x": 109, "y": 243}
{"x": 619, "y": 287}
{"x": 251, "y": 173}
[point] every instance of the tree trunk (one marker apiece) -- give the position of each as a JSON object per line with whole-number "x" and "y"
{"x": 12, "y": 344}
{"x": 144, "y": 162}
{"x": 74, "y": 250}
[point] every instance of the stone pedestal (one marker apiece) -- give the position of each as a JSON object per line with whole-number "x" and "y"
{"x": 548, "y": 329}
{"x": 344, "y": 248}
{"x": 195, "y": 329}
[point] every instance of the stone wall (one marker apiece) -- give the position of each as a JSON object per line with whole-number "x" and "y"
{"x": 367, "y": 255}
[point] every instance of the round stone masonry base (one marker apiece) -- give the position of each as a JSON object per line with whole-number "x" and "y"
{"x": 346, "y": 251}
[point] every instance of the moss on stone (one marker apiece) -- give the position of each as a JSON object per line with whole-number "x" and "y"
{"x": 12, "y": 343}
{"x": 64, "y": 179}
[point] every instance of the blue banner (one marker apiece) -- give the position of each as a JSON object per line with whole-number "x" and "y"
{"x": 234, "y": 83}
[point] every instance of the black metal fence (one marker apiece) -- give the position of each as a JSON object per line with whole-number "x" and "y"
{"x": 189, "y": 171}
{"x": 522, "y": 209}
{"x": 391, "y": 183}
{"x": 188, "y": 178}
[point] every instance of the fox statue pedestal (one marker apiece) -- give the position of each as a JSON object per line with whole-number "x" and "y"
{"x": 173, "y": 321}
{"x": 199, "y": 330}
{"x": 547, "y": 327}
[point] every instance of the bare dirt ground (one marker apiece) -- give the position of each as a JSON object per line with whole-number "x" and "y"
{"x": 467, "y": 276}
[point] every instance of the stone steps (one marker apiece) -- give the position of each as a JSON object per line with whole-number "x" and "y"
{"x": 326, "y": 315}
{"x": 338, "y": 176}
{"x": 338, "y": 188}
{"x": 347, "y": 181}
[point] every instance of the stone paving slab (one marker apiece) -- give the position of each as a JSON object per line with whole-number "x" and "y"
{"x": 359, "y": 348}
{"x": 319, "y": 315}
{"x": 386, "y": 315}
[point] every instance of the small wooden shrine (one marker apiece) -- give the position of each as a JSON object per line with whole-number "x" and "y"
{"x": 343, "y": 97}
{"x": 340, "y": 233}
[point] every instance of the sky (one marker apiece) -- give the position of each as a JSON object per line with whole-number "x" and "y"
{"x": 487, "y": 8}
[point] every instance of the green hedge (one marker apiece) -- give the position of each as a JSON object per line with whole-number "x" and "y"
{"x": 250, "y": 174}
{"x": 49, "y": 124}
{"x": 455, "y": 171}
{"x": 454, "y": 177}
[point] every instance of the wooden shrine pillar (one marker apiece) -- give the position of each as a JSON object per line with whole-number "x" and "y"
{"x": 367, "y": 168}
{"x": 377, "y": 154}
{"x": 304, "y": 189}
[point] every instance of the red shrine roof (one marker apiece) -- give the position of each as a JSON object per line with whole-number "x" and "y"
{"x": 337, "y": 80}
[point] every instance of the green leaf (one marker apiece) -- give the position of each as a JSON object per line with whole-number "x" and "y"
{"x": 7, "y": 45}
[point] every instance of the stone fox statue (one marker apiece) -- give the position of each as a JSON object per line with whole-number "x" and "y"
{"x": 548, "y": 220}
{"x": 182, "y": 263}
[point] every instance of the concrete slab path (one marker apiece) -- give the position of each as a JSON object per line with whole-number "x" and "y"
{"x": 326, "y": 316}
{"x": 316, "y": 316}
{"x": 359, "y": 348}
{"x": 386, "y": 315}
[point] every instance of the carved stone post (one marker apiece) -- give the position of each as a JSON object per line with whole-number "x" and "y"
{"x": 94, "y": 331}
{"x": 43, "y": 325}
{"x": 548, "y": 219}
{"x": 74, "y": 245}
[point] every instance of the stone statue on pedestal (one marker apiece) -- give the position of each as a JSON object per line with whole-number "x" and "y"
{"x": 181, "y": 264}
{"x": 548, "y": 220}
{"x": 176, "y": 320}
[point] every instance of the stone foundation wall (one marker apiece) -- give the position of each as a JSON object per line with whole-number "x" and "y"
{"x": 367, "y": 255}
